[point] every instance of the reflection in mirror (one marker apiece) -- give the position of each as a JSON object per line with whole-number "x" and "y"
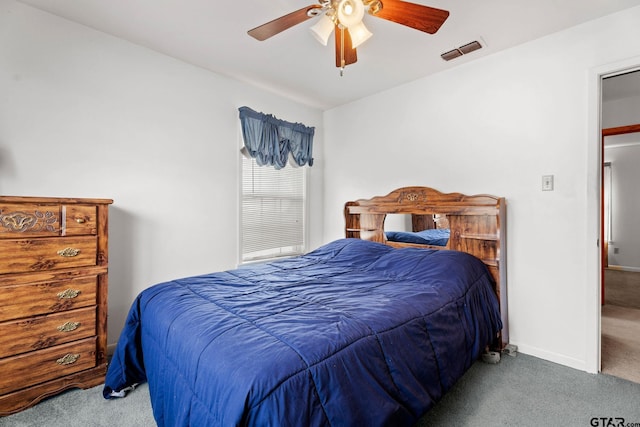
{"x": 418, "y": 229}
{"x": 398, "y": 222}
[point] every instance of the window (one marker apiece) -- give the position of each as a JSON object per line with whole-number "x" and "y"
{"x": 273, "y": 204}
{"x": 273, "y": 200}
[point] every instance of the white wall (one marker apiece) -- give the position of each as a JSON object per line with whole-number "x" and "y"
{"x": 83, "y": 114}
{"x": 496, "y": 125}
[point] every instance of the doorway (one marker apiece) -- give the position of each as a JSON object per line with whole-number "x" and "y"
{"x": 620, "y": 269}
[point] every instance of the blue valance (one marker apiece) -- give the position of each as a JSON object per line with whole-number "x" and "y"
{"x": 270, "y": 140}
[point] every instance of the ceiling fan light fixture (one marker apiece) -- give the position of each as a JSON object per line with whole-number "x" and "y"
{"x": 359, "y": 34}
{"x": 350, "y": 12}
{"x": 322, "y": 29}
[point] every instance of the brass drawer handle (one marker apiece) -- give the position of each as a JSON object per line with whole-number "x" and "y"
{"x": 68, "y": 327}
{"x": 80, "y": 220}
{"x": 69, "y": 252}
{"x": 68, "y": 359}
{"x": 68, "y": 294}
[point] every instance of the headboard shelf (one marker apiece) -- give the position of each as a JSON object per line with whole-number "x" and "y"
{"x": 421, "y": 209}
{"x": 477, "y": 226}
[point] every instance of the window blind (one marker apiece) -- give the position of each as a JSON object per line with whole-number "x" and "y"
{"x": 273, "y": 211}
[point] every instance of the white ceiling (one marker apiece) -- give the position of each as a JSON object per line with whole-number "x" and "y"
{"x": 212, "y": 34}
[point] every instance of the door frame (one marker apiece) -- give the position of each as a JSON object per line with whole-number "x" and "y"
{"x": 594, "y": 221}
{"x": 619, "y": 130}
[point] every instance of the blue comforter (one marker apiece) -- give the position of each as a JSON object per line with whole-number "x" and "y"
{"x": 353, "y": 333}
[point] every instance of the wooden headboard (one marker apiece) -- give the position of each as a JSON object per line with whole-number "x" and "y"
{"x": 477, "y": 224}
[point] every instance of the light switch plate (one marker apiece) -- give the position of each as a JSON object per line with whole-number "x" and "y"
{"x": 547, "y": 182}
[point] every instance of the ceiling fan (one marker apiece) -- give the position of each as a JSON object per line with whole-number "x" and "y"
{"x": 346, "y": 17}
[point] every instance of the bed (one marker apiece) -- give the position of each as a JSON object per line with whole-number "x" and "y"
{"x": 356, "y": 332}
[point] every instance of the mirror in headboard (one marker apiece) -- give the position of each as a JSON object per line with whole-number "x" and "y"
{"x": 420, "y": 229}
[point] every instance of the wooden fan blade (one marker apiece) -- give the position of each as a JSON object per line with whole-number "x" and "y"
{"x": 423, "y": 18}
{"x": 285, "y": 22}
{"x": 346, "y": 51}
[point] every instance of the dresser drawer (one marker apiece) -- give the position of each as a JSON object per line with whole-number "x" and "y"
{"x": 18, "y": 220}
{"x": 26, "y": 300}
{"x": 79, "y": 220}
{"x": 31, "y": 255}
{"x": 36, "y": 367}
{"x": 24, "y": 335}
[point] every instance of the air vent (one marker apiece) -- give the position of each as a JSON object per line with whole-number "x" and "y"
{"x": 470, "y": 47}
{"x": 452, "y": 54}
{"x": 462, "y": 50}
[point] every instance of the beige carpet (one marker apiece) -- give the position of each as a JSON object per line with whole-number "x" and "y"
{"x": 621, "y": 342}
{"x": 621, "y": 325}
{"x": 622, "y": 288}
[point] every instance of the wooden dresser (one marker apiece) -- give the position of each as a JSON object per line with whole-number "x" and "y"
{"x": 53, "y": 297}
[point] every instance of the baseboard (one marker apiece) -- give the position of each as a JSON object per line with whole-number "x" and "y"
{"x": 623, "y": 268}
{"x": 553, "y": 357}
